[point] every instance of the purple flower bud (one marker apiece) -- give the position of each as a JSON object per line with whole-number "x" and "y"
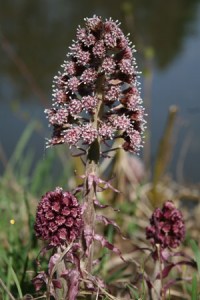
{"x": 108, "y": 65}
{"x": 120, "y": 122}
{"x": 87, "y": 39}
{"x": 58, "y": 218}
{"x": 93, "y": 24}
{"x": 98, "y": 79}
{"x": 106, "y": 131}
{"x": 99, "y": 49}
{"x": 72, "y": 135}
{"x": 89, "y": 134}
{"x": 166, "y": 226}
{"x": 126, "y": 67}
{"x": 61, "y": 96}
{"x": 88, "y": 76}
{"x": 113, "y": 93}
{"x": 89, "y": 103}
{"x": 72, "y": 84}
{"x": 70, "y": 68}
{"x": 57, "y": 117}
{"x": 75, "y": 107}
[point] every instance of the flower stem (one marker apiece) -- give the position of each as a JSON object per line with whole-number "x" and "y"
{"x": 89, "y": 215}
{"x": 161, "y": 273}
{"x": 92, "y": 163}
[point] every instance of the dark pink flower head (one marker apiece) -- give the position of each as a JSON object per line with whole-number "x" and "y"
{"x": 166, "y": 226}
{"x": 58, "y": 218}
{"x": 99, "y": 76}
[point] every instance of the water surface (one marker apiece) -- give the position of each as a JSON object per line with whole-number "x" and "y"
{"x": 34, "y": 37}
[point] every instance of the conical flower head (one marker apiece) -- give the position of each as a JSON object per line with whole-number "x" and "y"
{"x": 166, "y": 226}
{"x": 58, "y": 218}
{"x": 96, "y": 94}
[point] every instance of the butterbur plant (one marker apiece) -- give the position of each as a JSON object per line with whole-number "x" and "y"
{"x": 167, "y": 228}
{"x": 97, "y": 109}
{"x": 58, "y": 219}
{"x": 166, "y": 232}
{"x": 96, "y": 95}
{"x": 96, "y": 100}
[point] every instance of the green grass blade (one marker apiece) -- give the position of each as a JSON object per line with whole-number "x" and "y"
{"x": 16, "y": 283}
{"x": 9, "y": 275}
{"x": 25, "y": 166}
{"x": 133, "y": 292}
{"x": 196, "y": 251}
{"x": 194, "y": 288}
{"x": 18, "y": 153}
{"x": 41, "y": 178}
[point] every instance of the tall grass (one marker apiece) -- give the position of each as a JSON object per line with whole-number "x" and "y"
{"x": 22, "y": 183}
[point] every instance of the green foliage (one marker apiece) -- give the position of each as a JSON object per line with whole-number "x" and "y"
{"x": 21, "y": 186}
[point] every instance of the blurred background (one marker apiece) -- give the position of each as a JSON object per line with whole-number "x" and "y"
{"x": 34, "y": 39}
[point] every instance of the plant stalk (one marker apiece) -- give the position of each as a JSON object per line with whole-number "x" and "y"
{"x": 92, "y": 166}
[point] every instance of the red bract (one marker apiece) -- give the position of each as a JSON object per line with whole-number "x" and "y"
{"x": 58, "y": 218}
{"x": 166, "y": 226}
{"x": 100, "y": 76}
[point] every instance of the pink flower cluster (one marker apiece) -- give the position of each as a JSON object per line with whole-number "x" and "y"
{"x": 166, "y": 226}
{"x": 58, "y": 218}
{"x": 100, "y": 73}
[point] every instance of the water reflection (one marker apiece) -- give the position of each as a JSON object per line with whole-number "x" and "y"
{"x": 162, "y": 25}
{"x": 39, "y": 32}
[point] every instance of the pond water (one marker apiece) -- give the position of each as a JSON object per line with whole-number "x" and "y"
{"x": 35, "y": 35}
